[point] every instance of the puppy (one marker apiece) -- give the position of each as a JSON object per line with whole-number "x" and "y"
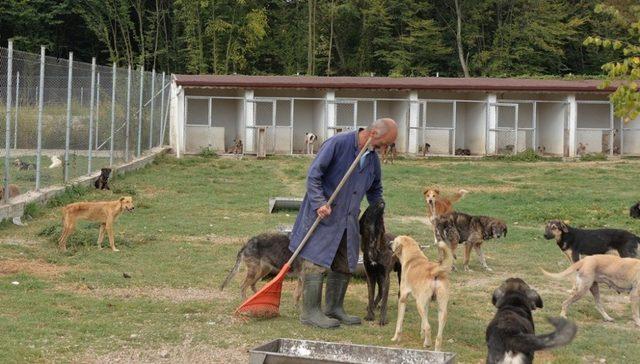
{"x": 462, "y": 151}
{"x": 582, "y": 149}
{"x": 511, "y": 336}
{"x": 634, "y": 211}
{"x": 542, "y": 150}
{"x": 237, "y": 146}
{"x": 262, "y": 255}
{"x": 425, "y": 150}
{"x": 460, "y": 228}
{"x": 425, "y": 280}
{"x": 55, "y": 162}
{"x": 575, "y": 242}
{"x": 23, "y": 166}
{"x": 309, "y": 141}
{"x": 621, "y": 274}
{"x": 13, "y": 191}
{"x": 104, "y": 212}
{"x": 102, "y": 182}
{"x": 378, "y": 259}
{"x": 387, "y": 150}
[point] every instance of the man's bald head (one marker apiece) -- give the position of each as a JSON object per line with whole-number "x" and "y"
{"x": 383, "y": 131}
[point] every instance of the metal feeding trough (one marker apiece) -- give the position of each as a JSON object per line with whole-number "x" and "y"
{"x": 289, "y": 351}
{"x": 289, "y": 203}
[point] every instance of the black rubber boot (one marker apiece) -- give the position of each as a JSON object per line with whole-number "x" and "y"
{"x": 311, "y": 298}
{"x": 334, "y": 298}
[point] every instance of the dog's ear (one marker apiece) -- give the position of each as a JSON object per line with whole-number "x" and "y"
{"x": 121, "y": 199}
{"x": 497, "y": 296}
{"x": 505, "y": 231}
{"x": 534, "y": 297}
{"x": 425, "y": 190}
{"x": 564, "y": 227}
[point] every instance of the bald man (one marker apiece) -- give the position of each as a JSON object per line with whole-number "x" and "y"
{"x": 333, "y": 248}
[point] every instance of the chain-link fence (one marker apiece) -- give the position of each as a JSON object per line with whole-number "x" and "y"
{"x": 64, "y": 119}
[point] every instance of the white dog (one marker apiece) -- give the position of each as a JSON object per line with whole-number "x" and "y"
{"x": 55, "y": 162}
{"x": 309, "y": 140}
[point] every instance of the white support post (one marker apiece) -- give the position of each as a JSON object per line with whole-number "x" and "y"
{"x": 249, "y": 121}
{"x": 40, "y": 110}
{"x": 414, "y": 122}
{"x": 491, "y": 123}
{"x": 572, "y": 124}
{"x": 534, "y": 121}
{"x": 331, "y": 114}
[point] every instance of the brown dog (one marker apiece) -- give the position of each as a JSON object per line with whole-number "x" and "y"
{"x": 13, "y": 191}
{"x": 621, "y": 274}
{"x": 104, "y": 212}
{"x": 425, "y": 280}
{"x": 438, "y": 205}
{"x": 388, "y": 150}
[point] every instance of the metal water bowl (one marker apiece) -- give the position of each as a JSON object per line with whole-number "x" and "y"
{"x": 290, "y": 351}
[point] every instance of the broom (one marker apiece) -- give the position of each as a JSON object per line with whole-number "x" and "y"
{"x": 266, "y": 302}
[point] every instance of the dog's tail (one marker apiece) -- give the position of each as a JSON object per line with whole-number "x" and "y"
{"x": 447, "y": 261}
{"x": 234, "y": 270}
{"x": 458, "y": 195}
{"x": 564, "y": 334}
{"x": 572, "y": 269}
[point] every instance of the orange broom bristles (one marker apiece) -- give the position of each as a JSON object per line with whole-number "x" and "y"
{"x": 266, "y": 302}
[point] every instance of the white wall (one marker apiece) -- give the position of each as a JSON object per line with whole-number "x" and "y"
{"x": 631, "y": 137}
{"x": 471, "y": 127}
{"x": 593, "y": 116}
{"x": 550, "y": 122}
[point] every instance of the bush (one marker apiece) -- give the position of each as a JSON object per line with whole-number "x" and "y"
{"x": 593, "y": 157}
{"x": 208, "y": 153}
{"x": 70, "y": 194}
{"x": 529, "y": 155}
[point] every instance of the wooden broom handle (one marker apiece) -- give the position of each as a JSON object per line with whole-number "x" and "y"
{"x": 333, "y": 197}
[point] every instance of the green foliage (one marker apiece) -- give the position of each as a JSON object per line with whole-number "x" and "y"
{"x": 32, "y": 209}
{"x": 528, "y": 155}
{"x": 624, "y": 70}
{"x": 70, "y": 194}
{"x": 593, "y": 157}
{"x": 207, "y": 153}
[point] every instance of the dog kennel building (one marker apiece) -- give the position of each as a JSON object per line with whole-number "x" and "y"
{"x": 480, "y": 116}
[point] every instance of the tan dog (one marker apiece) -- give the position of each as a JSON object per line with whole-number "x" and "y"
{"x": 621, "y": 274}
{"x": 438, "y": 205}
{"x": 424, "y": 280}
{"x": 13, "y": 191}
{"x": 104, "y": 212}
{"x": 389, "y": 150}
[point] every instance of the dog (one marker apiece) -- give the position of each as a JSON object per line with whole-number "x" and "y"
{"x": 438, "y": 205}
{"x": 542, "y": 150}
{"x": 575, "y": 242}
{"x": 262, "y": 255}
{"x": 237, "y": 146}
{"x": 55, "y": 162}
{"x": 424, "y": 280}
{"x": 102, "y": 182}
{"x": 388, "y": 150}
{"x": 462, "y": 151}
{"x": 511, "y": 336}
{"x": 23, "y": 166}
{"x": 621, "y": 274}
{"x": 104, "y": 212}
{"x": 378, "y": 259}
{"x": 309, "y": 141}
{"x": 582, "y": 149}
{"x": 459, "y": 228}
{"x": 634, "y": 211}
{"x": 425, "y": 149}
{"x": 13, "y": 191}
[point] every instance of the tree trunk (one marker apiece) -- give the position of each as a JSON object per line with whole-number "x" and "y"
{"x": 330, "y": 38}
{"x": 461, "y": 56}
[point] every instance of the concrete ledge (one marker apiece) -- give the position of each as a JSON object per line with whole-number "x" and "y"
{"x": 16, "y": 205}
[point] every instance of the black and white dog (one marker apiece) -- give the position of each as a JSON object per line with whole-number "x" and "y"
{"x": 511, "y": 335}
{"x": 309, "y": 140}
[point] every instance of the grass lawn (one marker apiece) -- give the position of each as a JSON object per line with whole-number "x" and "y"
{"x": 193, "y": 214}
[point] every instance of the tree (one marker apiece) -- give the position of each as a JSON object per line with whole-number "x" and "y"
{"x": 624, "y": 71}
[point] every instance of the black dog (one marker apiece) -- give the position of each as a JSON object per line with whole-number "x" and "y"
{"x": 634, "y": 211}
{"x": 102, "y": 183}
{"x": 590, "y": 242}
{"x": 511, "y": 335}
{"x": 378, "y": 258}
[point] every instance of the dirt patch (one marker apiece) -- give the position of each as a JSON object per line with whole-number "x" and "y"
{"x": 153, "y": 192}
{"x": 174, "y": 295}
{"x": 18, "y": 241}
{"x": 210, "y": 238}
{"x": 409, "y": 219}
{"x": 38, "y": 268}
{"x": 182, "y": 353}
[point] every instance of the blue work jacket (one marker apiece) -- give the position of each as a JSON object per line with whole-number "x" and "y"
{"x": 332, "y": 162}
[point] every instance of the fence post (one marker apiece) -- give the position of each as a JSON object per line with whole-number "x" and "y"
{"x": 7, "y": 137}
{"x": 160, "y": 126}
{"x": 113, "y": 112}
{"x": 97, "y": 109}
{"x": 91, "y": 102}
{"x": 15, "y": 121}
{"x": 126, "y": 130}
{"x": 68, "y": 126}
{"x": 40, "y": 107}
{"x": 153, "y": 97}
{"x": 140, "y": 112}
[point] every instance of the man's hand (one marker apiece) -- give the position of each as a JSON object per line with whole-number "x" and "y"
{"x": 324, "y": 211}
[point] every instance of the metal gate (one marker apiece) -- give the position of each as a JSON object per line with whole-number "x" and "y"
{"x": 505, "y": 134}
{"x": 276, "y": 117}
{"x": 436, "y": 127}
